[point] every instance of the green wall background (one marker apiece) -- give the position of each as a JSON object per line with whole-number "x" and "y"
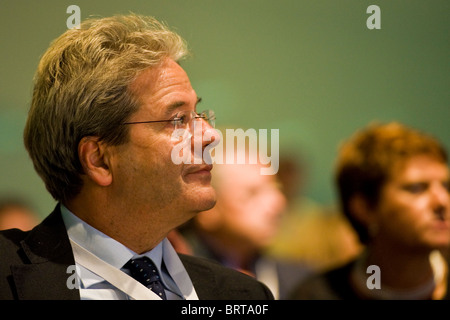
{"x": 311, "y": 69}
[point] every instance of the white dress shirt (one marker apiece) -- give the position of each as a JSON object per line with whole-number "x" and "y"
{"x": 92, "y": 286}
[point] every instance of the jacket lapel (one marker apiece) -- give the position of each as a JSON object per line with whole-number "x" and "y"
{"x": 202, "y": 278}
{"x": 48, "y": 250}
{"x": 213, "y": 284}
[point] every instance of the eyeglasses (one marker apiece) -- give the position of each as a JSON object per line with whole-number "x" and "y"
{"x": 183, "y": 119}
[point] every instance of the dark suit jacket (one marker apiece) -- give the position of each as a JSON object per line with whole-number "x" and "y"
{"x": 33, "y": 265}
{"x": 289, "y": 273}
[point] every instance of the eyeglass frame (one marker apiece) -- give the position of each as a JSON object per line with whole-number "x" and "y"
{"x": 202, "y": 115}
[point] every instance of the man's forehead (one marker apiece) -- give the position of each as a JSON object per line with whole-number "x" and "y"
{"x": 418, "y": 167}
{"x": 158, "y": 76}
{"x": 167, "y": 86}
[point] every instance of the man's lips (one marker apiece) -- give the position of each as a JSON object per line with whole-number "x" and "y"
{"x": 441, "y": 225}
{"x": 203, "y": 169}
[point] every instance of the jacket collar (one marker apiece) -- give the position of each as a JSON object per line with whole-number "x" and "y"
{"x": 207, "y": 280}
{"x": 49, "y": 253}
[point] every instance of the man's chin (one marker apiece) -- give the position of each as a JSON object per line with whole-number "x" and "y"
{"x": 206, "y": 199}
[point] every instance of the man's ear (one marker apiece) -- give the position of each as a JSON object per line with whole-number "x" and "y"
{"x": 94, "y": 160}
{"x": 360, "y": 209}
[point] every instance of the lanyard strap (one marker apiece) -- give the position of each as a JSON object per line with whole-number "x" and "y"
{"x": 116, "y": 277}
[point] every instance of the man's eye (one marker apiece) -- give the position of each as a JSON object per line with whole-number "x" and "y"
{"x": 183, "y": 119}
{"x": 446, "y": 185}
{"x": 415, "y": 187}
{"x": 180, "y": 120}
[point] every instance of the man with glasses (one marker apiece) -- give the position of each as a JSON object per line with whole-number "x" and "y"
{"x": 108, "y": 99}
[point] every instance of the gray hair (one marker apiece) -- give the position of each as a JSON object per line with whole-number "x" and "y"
{"x": 81, "y": 88}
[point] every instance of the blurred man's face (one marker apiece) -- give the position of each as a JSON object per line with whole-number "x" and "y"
{"x": 250, "y": 204}
{"x": 17, "y": 217}
{"x": 414, "y": 205}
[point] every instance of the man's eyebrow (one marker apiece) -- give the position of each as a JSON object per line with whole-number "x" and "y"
{"x": 179, "y": 104}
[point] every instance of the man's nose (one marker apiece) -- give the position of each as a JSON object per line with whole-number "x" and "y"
{"x": 440, "y": 198}
{"x": 203, "y": 133}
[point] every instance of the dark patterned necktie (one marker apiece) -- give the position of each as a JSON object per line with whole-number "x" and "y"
{"x": 144, "y": 271}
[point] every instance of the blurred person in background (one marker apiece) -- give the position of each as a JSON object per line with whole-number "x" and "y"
{"x": 16, "y": 213}
{"x": 238, "y": 230}
{"x": 393, "y": 184}
{"x": 309, "y": 231}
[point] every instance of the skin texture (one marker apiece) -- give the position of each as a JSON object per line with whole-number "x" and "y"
{"x": 134, "y": 192}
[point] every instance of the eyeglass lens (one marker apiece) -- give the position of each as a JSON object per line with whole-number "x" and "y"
{"x": 183, "y": 119}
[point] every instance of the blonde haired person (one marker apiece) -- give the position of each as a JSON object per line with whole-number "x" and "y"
{"x": 107, "y": 98}
{"x": 393, "y": 183}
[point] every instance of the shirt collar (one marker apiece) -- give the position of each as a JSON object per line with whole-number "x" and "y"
{"x": 155, "y": 255}
{"x": 103, "y": 246}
